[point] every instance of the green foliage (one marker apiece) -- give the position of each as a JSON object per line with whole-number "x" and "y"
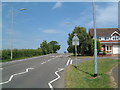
{"x": 51, "y": 47}
{"x": 20, "y": 53}
{"x": 92, "y": 46}
{"x": 104, "y": 53}
{"x": 44, "y": 47}
{"x": 84, "y": 41}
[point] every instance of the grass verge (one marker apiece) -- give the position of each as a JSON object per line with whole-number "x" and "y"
{"x": 82, "y": 76}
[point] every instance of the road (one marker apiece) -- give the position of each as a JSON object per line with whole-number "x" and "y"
{"x": 39, "y": 72}
{"x": 115, "y": 74}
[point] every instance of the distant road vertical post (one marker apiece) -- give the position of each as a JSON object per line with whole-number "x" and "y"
{"x": 95, "y": 43}
{"x": 75, "y": 42}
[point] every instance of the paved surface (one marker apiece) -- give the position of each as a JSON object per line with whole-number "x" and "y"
{"x": 115, "y": 74}
{"x": 41, "y": 71}
{"x": 38, "y": 72}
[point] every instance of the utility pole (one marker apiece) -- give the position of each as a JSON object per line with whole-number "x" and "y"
{"x": 12, "y": 29}
{"x": 95, "y": 42}
{"x": 11, "y": 41}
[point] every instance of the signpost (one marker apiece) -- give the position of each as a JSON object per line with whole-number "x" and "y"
{"x": 75, "y": 42}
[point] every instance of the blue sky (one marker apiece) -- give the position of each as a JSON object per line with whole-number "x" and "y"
{"x": 47, "y": 21}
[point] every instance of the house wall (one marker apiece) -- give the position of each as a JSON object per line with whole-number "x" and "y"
{"x": 116, "y": 49}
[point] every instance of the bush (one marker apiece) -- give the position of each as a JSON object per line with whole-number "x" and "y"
{"x": 104, "y": 53}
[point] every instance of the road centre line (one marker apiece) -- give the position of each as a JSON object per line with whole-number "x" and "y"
{"x": 10, "y": 79}
{"x": 1, "y": 68}
{"x": 49, "y": 60}
{"x": 43, "y": 62}
{"x": 68, "y": 62}
{"x": 58, "y": 76}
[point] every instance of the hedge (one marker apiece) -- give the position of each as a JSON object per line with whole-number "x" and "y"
{"x": 20, "y": 53}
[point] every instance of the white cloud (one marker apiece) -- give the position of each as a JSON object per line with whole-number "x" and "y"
{"x": 57, "y": 5}
{"x": 106, "y": 16}
{"x": 52, "y": 31}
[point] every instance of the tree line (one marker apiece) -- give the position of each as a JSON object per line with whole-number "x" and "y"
{"x": 45, "y": 48}
{"x": 51, "y": 47}
{"x": 86, "y": 44}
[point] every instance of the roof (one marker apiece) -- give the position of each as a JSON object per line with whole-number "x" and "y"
{"x": 103, "y": 31}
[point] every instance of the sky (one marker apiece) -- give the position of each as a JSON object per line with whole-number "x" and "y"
{"x": 52, "y": 21}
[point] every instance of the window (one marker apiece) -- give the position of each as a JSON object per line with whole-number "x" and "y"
{"x": 115, "y": 37}
{"x": 98, "y": 37}
{"x": 107, "y": 48}
{"x": 106, "y": 38}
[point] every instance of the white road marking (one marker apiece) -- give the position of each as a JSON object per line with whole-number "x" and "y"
{"x": 71, "y": 62}
{"x": 68, "y": 62}
{"x": 1, "y": 68}
{"x": 10, "y": 79}
{"x": 43, "y": 62}
{"x": 58, "y": 76}
{"x": 49, "y": 60}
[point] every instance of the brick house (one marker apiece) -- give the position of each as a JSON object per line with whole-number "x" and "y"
{"x": 109, "y": 39}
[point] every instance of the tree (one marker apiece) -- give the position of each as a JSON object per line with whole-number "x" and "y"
{"x": 53, "y": 46}
{"x": 44, "y": 47}
{"x": 92, "y": 46}
{"x": 84, "y": 41}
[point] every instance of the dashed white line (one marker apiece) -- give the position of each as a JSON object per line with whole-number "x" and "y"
{"x": 43, "y": 62}
{"x": 58, "y": 76}
{"x": 49, "y": 60}
{"x": 68, "y": 62}
{"x": 1, "y": 68}
{"x": 10, "y": 79}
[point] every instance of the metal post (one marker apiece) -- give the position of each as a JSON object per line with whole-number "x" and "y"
{"x": 76, "y": 54}
{"x": 11, "y": 41}
{"x": 95, "y": 42}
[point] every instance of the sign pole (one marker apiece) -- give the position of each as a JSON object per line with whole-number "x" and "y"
{"x": 75, "y": 42}
{"x": 76, "y": 54}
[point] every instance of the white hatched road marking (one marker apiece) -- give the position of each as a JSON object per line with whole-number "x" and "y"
{"x": 58, "y": 76}
{"x": 71, "y": 62}
{"x": 10, "y": 79}
{"x": 68, "y": 62}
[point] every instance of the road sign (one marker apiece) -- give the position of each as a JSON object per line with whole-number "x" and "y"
{"x": 75, "y": 40}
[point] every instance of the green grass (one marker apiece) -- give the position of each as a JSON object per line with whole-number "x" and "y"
{"x": 82, "y": 77}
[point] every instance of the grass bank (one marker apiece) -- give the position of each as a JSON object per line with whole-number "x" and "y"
{"x": 82, "y": 77}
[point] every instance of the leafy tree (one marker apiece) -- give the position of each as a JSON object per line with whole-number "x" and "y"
{"x": 84, "y": 41}
{"x": 53, "y": 46}
{"x": 92, "y": 46}
{"x": 44, "y": 47}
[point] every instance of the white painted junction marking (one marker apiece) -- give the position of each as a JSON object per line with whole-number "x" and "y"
{"x": 10, "y": 79}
